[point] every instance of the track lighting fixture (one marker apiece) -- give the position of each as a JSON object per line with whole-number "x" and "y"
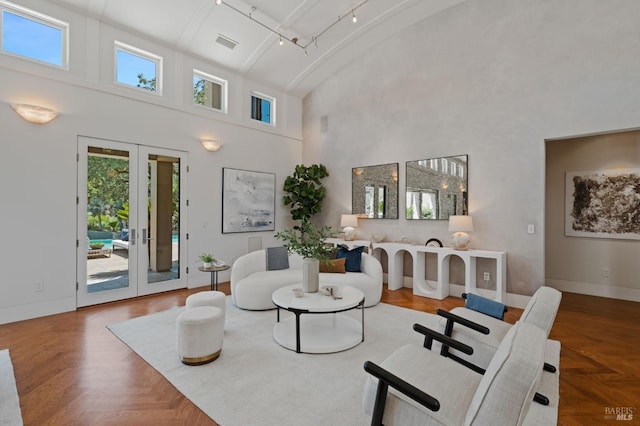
{"x": 293, "y": 40}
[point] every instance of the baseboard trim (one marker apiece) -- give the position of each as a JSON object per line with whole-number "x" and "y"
{"x": 600, "y": 290}
{"x": 36, "y": 310}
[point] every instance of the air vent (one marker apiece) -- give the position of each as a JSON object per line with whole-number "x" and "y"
{"x": 226, "y": 41}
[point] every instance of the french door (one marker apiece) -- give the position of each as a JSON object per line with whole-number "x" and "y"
{"x": 131, "y": 237}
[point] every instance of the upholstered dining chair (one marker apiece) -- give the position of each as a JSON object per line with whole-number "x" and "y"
{"x": 416, "y": 386}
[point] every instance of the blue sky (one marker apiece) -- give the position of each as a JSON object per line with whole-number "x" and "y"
{"x": 32, "y": 39}
{"x": 26, "y": 37}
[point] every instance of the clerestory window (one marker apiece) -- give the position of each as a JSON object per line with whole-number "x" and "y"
{"x": 138, "y": 68}
{"x": 263, "y": 108}
{"x": 33, "y": 35}
{"x": 209, "y": 91}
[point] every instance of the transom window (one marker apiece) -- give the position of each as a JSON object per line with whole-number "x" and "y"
{"x": 209, "y": 91}
{"x": 138, "y": 68}
{"x": 33, "y": 35}
{"x": 263, "y": 108}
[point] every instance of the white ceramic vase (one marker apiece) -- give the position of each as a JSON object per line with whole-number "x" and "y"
{"x": 310, "y": 275}
{"x": 207, "y": 265}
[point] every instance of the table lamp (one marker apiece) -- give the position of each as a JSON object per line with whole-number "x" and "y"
{"x": 460, "y": 225}
{"x": 349, "y": 221}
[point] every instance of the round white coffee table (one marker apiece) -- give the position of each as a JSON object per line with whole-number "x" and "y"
{"x": 324, "y": 329}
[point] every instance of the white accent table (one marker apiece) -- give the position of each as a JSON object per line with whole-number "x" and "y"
{"x": 351, "y": 244}
{"x": 439, "y": 289}
{"x": 323, "y": 329}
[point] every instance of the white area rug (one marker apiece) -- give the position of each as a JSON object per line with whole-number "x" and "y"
{"x": 255, "y": 381}
{"x": 10, "y": 414}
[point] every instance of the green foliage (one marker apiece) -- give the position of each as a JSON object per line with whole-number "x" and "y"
{"x": 123, "y": 213}
{"x": 107, "y": 188}
{"x": 102, "y": 223}
{"x": 207, "y": 258}
{"x": 146, "y": 84}
{"x": 304, "y": 191}
{"x": 307, "y": 240}
{"x": 198, "y": 92}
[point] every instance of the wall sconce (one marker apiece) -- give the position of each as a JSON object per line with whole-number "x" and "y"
{"x": 349, "y": 221}
{"x": 358, "y": 171}
{"x": 394, "y": 176}
{"x": 460, "y": 225}
{"x": 35, "y": 114}
{"x": 210, "y": 144}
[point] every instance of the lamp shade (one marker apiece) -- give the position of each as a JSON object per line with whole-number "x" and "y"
{"x": 349, "y": 220}
{"x": 210, "y": 144}
{"x": 461, "y": 223}
{"x": 35, "y": 114}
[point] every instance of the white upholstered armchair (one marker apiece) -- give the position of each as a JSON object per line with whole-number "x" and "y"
{"x": 415, "y": 386}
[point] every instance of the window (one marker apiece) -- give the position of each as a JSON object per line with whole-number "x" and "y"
{"x": 263, "y": 108}
{"x": 209, "y": 91}
{"x": 445, "y": 166}
{"x": 137, "y": 68}
{"x": 33, "y": 35}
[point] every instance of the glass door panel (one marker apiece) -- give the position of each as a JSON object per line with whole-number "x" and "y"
{"x": 106, "y": 181}
{"x": 162, "y": 238}
{"x": 131, "y": 233}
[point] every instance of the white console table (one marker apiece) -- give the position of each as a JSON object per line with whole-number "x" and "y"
{"x": 350, "y": 244}
{"x": 439, "y": 289}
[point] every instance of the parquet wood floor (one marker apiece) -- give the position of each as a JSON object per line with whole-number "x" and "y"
{"x": 70, "y": 370}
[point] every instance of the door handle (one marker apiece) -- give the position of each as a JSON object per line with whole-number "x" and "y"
{"x": 132, "y": 236}
{"x": 144, "y": 237}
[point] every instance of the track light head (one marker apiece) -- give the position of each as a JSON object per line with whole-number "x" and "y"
{"x": 353, "y": 17}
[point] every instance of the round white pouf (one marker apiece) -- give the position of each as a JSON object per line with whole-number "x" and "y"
{"x": 200, "y": 333}
{"x": 207, "y": 298}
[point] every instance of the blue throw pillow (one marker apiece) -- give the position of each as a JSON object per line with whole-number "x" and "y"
{"x": 124, "y": 235}
{"x": 353, "y": 258}
{"x": 485, "y": 306}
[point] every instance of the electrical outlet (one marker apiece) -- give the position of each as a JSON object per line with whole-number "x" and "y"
{"x": 39, "y": 286}
{"x": 605, "y": 272}
{"x": 531, "y": 229}
{"x": 487, "y": 276}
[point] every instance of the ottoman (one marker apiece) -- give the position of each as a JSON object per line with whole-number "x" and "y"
{"x": 200, "y": 333}
{"x": 207, "y": 298}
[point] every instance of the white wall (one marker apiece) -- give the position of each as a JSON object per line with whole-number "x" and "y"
{"x": 575, "y": 263}
{"x": 492, "y": 79}
{"x": 38, "y": 172}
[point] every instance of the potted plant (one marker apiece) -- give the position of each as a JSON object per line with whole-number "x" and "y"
{"x": 207, "y": 260}
{"x": 304, "y": 191}
{"x": 309, "y": 241}
{"x": 304, "y": 194}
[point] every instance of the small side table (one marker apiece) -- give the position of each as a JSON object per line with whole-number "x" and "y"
{"x": 214, "y": 274}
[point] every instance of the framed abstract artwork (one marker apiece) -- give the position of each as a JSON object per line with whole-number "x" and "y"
{"x": 603, "y": 204}
{"x": 248, "y": 201}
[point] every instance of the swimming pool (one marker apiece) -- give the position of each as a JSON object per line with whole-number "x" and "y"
{"x": 109, "y": 245}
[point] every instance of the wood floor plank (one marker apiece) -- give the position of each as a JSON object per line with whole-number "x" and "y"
{"x": 70, "y": 370}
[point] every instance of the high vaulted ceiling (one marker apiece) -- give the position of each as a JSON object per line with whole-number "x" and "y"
{"x": 192, "y": 26}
